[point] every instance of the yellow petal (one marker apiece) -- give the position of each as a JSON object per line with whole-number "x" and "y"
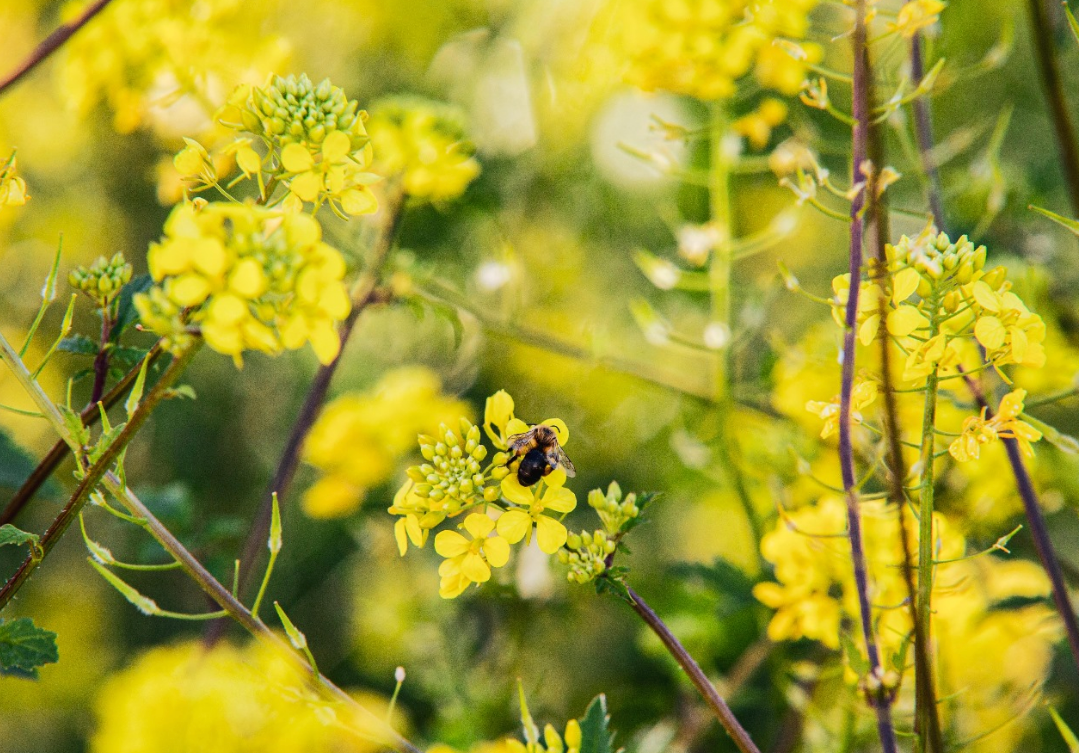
{"x": 514, "y": 525}
{"x": 248, "y": 160}
{"x": 306, "y": 186}
{"x": 497, "y": 551}
{"x": 904, "y": 284}
{"x": 296, "y": 159}
{"x": 515, "y": 426}
{"x": 479, "y": 525}
{"x": 990, "y": 332}
{"x": 248, "y": 279}
{"x": 475, "y": 569}
{"x": 357, "y": 201}
{"x": 514, "y": 492}
{"x": 189, "y": 289}
{"x": 550, "y": 534}
{"x": 454, "y": 586}
{"x": 450, "y": 544}
{"x": 904, "y": 320}
{"x": 868, "y": 330}
{"x": 400, "y": 536}
{"x": 556, "y": 479}
{"x": 559, "y": 500}
{"x": 335, "y": 148}
{"x": 325, "y": 342}
{"x": 985, "y": 296}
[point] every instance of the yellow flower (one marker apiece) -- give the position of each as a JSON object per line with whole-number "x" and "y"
{"x": 225, "y": 698}
{"x": 976, "y": 432}
{"x": 469, "y": 561}
{"x": 360, "y": 437}
{"x": 12, "y": 187}
{"x": 516, "y": 524}
{"x": 757, "y": 126}
{"x": 249, "y": 278}
{"x": 862, "y": 396}
{"x": 1007, "y": 423}
{"x": 1005, "y": 327}
{"x": 422, "y": 142}
{"x": 496, "y": 415}
{"x": 915, "y": 16}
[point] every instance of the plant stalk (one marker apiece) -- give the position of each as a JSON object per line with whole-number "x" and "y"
{"x": 719, "y": 270}
{"x": 923, "y": 131}
{"x": 695, "y": 673}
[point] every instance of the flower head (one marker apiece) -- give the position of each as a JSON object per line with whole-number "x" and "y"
{"x": 250, "y": 278}
{"x": 469, "y": 560}
{"x": 103, "y": 279}
{"x": 423, "y": 141}
{"x": 862, "y": 396}
{"x": 532, "y": 502}
{"x": 915, "y": 16}
{"x": 12, "y": 187}
{"x": 452, "y": 478}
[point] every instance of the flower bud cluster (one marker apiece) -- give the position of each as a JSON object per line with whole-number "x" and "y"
{"x": 103, "y": 279}
{"x": 294, "y": 110}
{"x": 613, "y": 511}
{"x": 452, "y": 475}
{"x": 938, "y": 260}
{"x": 586, "y": 555}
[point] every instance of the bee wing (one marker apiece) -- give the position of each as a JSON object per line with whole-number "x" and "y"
{"x": 562, "y": 459}
{"x": 517, "y": 442}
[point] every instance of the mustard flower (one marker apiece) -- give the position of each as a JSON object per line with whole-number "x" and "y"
{"x": 976, "y": 432}
{"x": 469, "y": 561}
{"x": 360, "y": 437}
{"x": 1006, "y": 328}
{"x": 12, "y": 187}
{"x": 862, "y": 396}
{"x": 703, "y": 48}
{"x": 586, "y": 555}
{"x": 497, "y": 413}
{"x": 452, "y": 478}
{"x": 423, "y": 142}
{"x": 1007, "y": 423}
{"x": 915, "y": 16}
{"x": 517, "y": 523}
{"x": 249, "y": 278}
{"x": 757, "y": 126}
{"x": 103, "y": 279}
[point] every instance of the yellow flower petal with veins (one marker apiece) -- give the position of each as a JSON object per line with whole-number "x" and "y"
{"x": 497, "y": 551}
{"x": 306, "y": 186}
{"x": 334, "y": 149}
{"x": 514, "y": 525}
{"x": 450, "y": 544}
{"x": 550, "y": 534}
{"x": 296, "y": 159}
{"x": 990, "y": 332}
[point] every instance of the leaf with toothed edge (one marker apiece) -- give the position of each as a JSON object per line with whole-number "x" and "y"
{"x": 596, "y": 735}
{"x": 24, "y": 647}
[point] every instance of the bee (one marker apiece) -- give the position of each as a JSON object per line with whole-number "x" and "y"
{"x": 540, "y": 454}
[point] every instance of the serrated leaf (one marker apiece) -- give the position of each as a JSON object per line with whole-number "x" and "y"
{"x": 74, "y": 424}
{"x": 857, "y": 662}
{"x": 1065, "y": 731}
{"x": 297, "y": 638}
{"x": 126, "y": 315}
{"x": 24, "y": 647}
{"x": 78, "y": 344}
{"x": 596, "y": 736}
{"x": 9, "y": 534}
{"x": 1071, "y": 225}
{"x": 127, "y": 357}
{"x": 613, "y": 584}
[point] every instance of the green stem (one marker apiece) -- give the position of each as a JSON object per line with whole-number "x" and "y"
{"x": 925, "y": 517}
{"x": 719, "y": 272}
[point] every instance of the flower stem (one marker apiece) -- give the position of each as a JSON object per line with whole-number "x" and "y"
{"x": 1038, "y": 529}
{"x": 101, "y": 361}
{"x": 719, "y": 271}
{"x": 51, "y": 44}
{"x": 90, "y": 415}
{"x": 1049, "y": 69}
{"x": 95, "y": 473}
{"x": 880, "y": 701}
{"x": 923, "y": 131}
{"x": 696, "y": 674}
{"x": 363, "y": 294}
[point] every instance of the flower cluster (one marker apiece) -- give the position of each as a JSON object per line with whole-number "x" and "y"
{"x": 103, "y": 279}
{"x": 915, "y": 16}
{"x": 701, "y": 48}
{"x": 423, "y": 142}
{"x": 977, "y": 430}
{"x": 144, "y": 77}
{"x": 586, "y": 555}
{"x": 308, "y": 137}
{"x": 757, "y": 126}
{"x": 248, "y": 278}
{"x": 12, "y": 187}
{"x": 359, "y": 438}
{"x": 815, "y": 596}
{"x": 863, "y": 395}
{"x": 225, "y": 698}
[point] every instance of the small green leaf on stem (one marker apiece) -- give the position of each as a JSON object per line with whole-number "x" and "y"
{"x": 596, "y": 736}
{"x": 144, "y": 604}
{"x": 79, "y": 345}
{"x": 1065, "y": 731}
{"x": 48, "y": 295}
{"x": 135, "y": 395}
{"x": 1071, "y": 225}
{"x": 275, "y": 527}
{"x": 9, "y": 534}
{"x": 183, "y": 390}
{"x": 24, "y": 647}
{"x": 1074, "y": 26}
{"x": 297, "y": 638}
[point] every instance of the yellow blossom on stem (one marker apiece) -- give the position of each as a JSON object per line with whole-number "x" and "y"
{"x": 517, "y": 523}
{"x": 976, "y": 432}
{"x": 469, "y": 561}
{"x": 12, "y": 187}
{"x": 915, "y": 16}
{"x": 863, "y": 395}
{"x": 757, "y": 126}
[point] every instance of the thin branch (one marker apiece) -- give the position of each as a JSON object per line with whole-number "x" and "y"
{"x": 879, "y": 699}
{"x": 51, "y": 44}
{"x": 101, "y": 361}
{"x": 1042, "y": 39}
{"x": 923, "y": 131}
{"x": 95, "y": 473}
{"x": 90, "y": 415}
{"x": 695, "y": 673}
{"x": 363, "y": 294}
{"x": 1038, "y": 529}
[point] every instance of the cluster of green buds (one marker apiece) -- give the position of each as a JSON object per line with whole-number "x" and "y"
{"x": 452, "y": 475}
{"x": 103, "y": 279}
{"x": 294, "y": 110}
{"x": 612, "y": 509}
{"x": 940, "y": 261}
{"x": 586, "y": 555}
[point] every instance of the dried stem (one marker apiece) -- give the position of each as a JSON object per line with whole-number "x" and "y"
{"x": 696, "y": 674}
{"x": 362, "y": 295}
{"x": 90, "y": 415}
{"x": 1038, "y": 529}
{"x": 94, "y": 473}
{"x": 51, "y": 44}
{"x": 860, "y": 153}
{"x": 1042, "y": 39}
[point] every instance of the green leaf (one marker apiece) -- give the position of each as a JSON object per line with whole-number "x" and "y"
{"x": 858, "y": 663}
{"x": 24, "y": 647}
{"x": 183, "y": 390}
{"x": 9, "y": 534}
{"x": 16, "y": 465}
{"x": 275, "y": 528}
{"x": 144, "y": 604}
{"x": 135, "y": 395}
{"x": 297, "y": 638}
{"x": 666, "y": 275}
{"x": 1071, "y": 225}
{"x": 612, "y": 583}
{"x": 1074, "y": 26}
{"x": 596, "y": 736}
{"x": 126, "y": 315}
{"x": 451, "y": 315}
{"x": 78, "y": 344}
{"x": 126, "y": 357}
